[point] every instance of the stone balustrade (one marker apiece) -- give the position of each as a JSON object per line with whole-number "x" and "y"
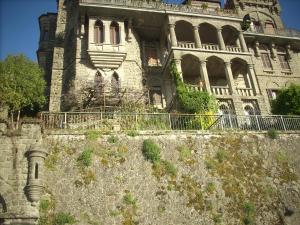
{"x": 185, "y": 44}
{"x": 160, "y": 6}
{"x": 220, "y": 90}
{"x": 245, "y": 91}
{"x": 194, "y": 87}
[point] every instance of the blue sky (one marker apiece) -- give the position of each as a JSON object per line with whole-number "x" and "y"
{"x": 19, "y": 29}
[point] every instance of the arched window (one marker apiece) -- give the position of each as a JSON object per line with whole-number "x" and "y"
{"x": 99, "y": 84}
{"x": 269, "y": 27}
{"x": 114, "y": 33}
{"x": 115, "y": 84}
{"x": 99, "y": 32}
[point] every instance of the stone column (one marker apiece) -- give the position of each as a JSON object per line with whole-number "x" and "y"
{"x": 204, "y": 76}
{"x": 238, "y": 43}
{"x": 220, "y": 39}
{"x": 253, "y": 79}
{"x": 243, "y": 42}
{"x": 197, "y": 37}
{"x": 273, "y": 51}
{"x": 229, "y": 77}
{"x": 256, "y": 49}
{"x": 106, "y": 25}
{"x": 173, "y": 35}
{"x": 178, "y": 66}
{"x": 129, "y": 34}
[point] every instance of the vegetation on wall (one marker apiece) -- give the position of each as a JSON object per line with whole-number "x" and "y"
{"x": 21, "y": 85}
{"x": 287, "y": 101}
{"x": 192, "y": 101}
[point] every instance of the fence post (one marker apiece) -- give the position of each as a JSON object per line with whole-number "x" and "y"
{"x": 230, "y": 121}
{"x": 284, "y": 127}
{"x": 257, "y": 122}
{"x": 65, "y": 120}
{"x": 170, "y": 121}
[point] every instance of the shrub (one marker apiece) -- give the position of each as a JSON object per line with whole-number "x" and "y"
{"x": 221, "y": 155}
{"x": 249, "y": 210}
{"x": 170, "y": 168}
{"x": 184, "y": 153}
{"x": 112, "y": 139}
{"x": 128, "y": 199}
{"x": 287, "y": 101}
{"x": 64, "y": 218}
{"x": 132, "y": 133}
{"x": 92, "y": 135}
{"x": 44, "y": 205}
{"x": 151, "y": 151}
{"x": 210, "y": 187}
{"x": 85, "y": 158}
{"x": 272, "y": 133}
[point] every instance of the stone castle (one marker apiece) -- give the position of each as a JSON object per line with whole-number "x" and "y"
{"x": 98, "y": 52}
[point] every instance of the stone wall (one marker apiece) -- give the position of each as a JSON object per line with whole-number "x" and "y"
{"x": 201, "y": 179}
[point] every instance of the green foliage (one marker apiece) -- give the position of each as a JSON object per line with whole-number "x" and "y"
{"x": 169, "y": 168}
{"x": 220, "y": 155}
{"x": 192, "y": 101}
{"x": 287, "y": 101}
{"x": 249, "y": 211}
{"x": 92, "y": 135}
{"x": 44, "y": 205}
{"x": 217, "y": 218}
{"x": 184, "y": 153}
{"x": 128, "y": 199}
{"x": 151, "y": 151}
{"x": 132, "y": 133}
{"x": 112, "y": 139}
{"x": 272, "y": 133}
{"x": 85, "y": 158}
{"x": 21, "y": 83}
{"x": 210, "y": 187}
{"x": 64, "y": 218}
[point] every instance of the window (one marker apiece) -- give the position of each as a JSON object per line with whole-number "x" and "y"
{"x": 272, "y": 94}
{"x": 284, "y": 63}
{"x": 45, "y": 35}
{"x": 269, "y": 27}
{"x": 114, "y": 33}
{"x": 115, "y": 84}
{"x": 151, "y": 56}
{"x": 99, "y": 32}
{"x": 266, "y": 61}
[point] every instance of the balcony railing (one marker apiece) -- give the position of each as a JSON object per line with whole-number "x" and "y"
{"x": 164, "y": 121}
{"x": 245, "y": 91}
{"x": 220, "y": 90}
{"x": 194, "y": 87}
{"x": 185, "y": 44}
{"x": 278, "y": 32}
{"x": 211, "y": 47}
{"x": 160, "y": 6}
{"x": 233, "y": 48}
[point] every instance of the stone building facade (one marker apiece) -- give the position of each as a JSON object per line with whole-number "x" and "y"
{"x": 102, "y": 50}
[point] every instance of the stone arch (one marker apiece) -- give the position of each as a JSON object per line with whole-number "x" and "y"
{"x": 190, "y": 66}
{"x": 239, "y": 68}
{"x": 184, "y": 31}
{"x": 99, "y": 32}
{"x": 216, "y": 71}
{"x": 208, "y": 33}
{"x": 259, "y": 19}
{"x": 272, "y": 85}
{"x": 114, "y": 33}
{"x": 230, "y": 35}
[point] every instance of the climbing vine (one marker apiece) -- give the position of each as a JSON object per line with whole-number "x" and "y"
{"x": 192, "y": 101}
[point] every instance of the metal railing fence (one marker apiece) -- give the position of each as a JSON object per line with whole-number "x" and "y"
{"x": 108, "y": 121}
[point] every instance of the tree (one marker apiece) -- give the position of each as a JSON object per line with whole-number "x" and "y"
{"x": 287, "y": 101}
{"x": 21, "y": 85}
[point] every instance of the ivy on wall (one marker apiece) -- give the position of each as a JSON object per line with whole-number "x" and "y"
{"x": 192, "y": 101}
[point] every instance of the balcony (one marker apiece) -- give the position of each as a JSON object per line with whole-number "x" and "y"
{"x": 159, "y": 6}
{"x": 245, "y": 91}
{"x": 209, "y": 47}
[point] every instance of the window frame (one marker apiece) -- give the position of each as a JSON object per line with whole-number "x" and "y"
{"x": 99, "y": 32}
